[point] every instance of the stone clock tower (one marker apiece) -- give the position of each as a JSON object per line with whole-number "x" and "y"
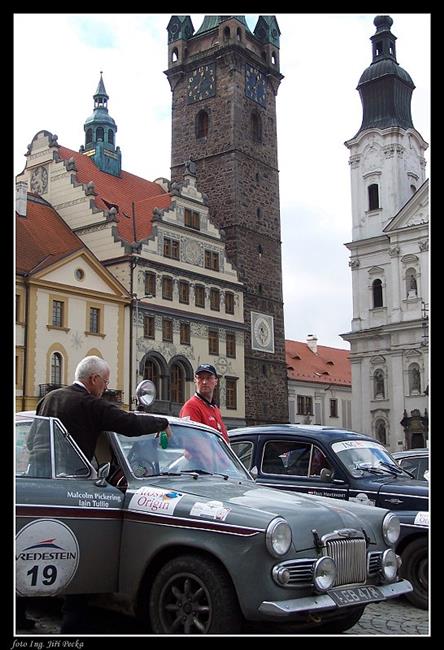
{"x": 224, "y": 81}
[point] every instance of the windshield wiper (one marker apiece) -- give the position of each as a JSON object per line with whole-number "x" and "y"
{"x": 392, "y": 468}
{"x": 204, "y": 472}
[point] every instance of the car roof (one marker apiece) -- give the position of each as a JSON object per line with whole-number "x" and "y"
{"x": 314, "y": 431}
{"x": 408, "y": 453}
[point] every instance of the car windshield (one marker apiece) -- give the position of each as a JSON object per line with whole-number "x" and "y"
{"x": 365, "y": 456}
{"x": 188, "y": 450}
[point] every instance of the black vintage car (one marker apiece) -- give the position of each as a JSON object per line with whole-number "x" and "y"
{"x": 344, "y": 465}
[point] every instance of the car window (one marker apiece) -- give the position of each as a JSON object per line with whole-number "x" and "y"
{"x": 244, "y": 451}
{"x": 318, "y": 462}
{"x": 21, "y": 450}
{"x": 37, "y": 448}
{"x": 68, "y": 462}
{"x": 286, "y": 457}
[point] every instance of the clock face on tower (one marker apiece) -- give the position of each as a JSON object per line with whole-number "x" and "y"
{"x": 39, "y": 180}
{"x": 255, "y": 85}
{"x": 201, "y": 83}
{"x": 262, "y": 335}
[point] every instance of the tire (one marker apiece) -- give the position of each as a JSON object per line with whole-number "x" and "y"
{"x": 414, "y": 568}
{"x": 343, "y": 623}
{"x": 193, "y": 595}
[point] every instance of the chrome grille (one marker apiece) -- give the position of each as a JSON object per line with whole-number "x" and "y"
{"x": 301, "y": 572}
{"x": 351, "y": 558}
{"x": 374, "y": 562}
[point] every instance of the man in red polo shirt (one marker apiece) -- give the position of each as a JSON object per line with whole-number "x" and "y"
{"x": 201, "y": 407}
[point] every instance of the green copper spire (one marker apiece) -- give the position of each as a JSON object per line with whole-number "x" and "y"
{"x": 210, "y": 22}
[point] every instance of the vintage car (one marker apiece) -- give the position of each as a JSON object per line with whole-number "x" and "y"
{"x": 415, "y": 461}
{"x": 178, "y": 532}
{"x": 345, "y": 465}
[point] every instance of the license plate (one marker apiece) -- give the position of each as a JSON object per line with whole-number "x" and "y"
{"x": 356, "y": 595}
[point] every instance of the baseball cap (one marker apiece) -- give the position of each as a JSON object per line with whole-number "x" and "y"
{"x": 206, "y": 367}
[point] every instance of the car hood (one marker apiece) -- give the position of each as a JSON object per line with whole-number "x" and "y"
{"x": 244, "y": 503}
{"x": 403, "y": 495}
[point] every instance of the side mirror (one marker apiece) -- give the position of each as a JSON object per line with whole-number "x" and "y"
{"x": 326, "y": 475}
{"x": 102, "y": 474}
{"x": 145, "y": 393}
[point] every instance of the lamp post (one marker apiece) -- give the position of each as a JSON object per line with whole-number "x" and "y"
{"x": 136, "y": 301}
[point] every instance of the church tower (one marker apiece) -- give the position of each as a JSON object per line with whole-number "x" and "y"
{"x": 389, "y": 255}
{"x": 224, "y": 79}
{"x": 100, "y": 135}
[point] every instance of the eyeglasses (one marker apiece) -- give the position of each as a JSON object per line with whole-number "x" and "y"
{"x": 106, "y": 381}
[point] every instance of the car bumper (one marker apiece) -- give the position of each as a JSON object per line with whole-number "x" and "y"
{"x": 322, "y": 602}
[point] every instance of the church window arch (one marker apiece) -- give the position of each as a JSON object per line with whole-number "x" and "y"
{"x": 202, "y": 124}
{"x": 110, "y": 136}
{"x": 174, "y": 55}
{"x": 377, "y": 293}
{"x": 56, "y": 368}
{"x": 99, "y": 134}
{"x": 373, "y": 196}
{"x": 89, "y": 136}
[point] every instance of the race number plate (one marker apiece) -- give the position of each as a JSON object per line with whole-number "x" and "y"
{"x": 356, "y": 595}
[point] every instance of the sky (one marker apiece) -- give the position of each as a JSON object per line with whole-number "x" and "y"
{"x": 57, "y": 64}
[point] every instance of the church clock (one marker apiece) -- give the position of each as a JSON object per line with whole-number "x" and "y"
{"x": 255, "y": 85}
{"x": 201, "y": 83}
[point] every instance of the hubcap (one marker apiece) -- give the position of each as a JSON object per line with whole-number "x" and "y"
{"x": 185, "y": 605}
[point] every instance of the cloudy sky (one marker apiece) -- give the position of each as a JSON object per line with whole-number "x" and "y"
{"x": 57, "y": 64}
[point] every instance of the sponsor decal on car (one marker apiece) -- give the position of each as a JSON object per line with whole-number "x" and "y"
{"x": 210, "y": 509}
{"x": 149, "y": 499}
{"x": 422, "y": 518}
{"x": 355, "y": 444}
{"x": 363, "y": 498}
{"x": 47, "y": 557}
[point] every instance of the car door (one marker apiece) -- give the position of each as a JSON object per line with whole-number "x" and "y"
{"x": 300, "y": 465}
{"x": 68, "y": 523}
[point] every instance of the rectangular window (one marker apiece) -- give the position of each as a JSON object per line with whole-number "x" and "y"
{"x": 184, "y": 292}
{"x": 17, "y": 308}
{"x": 199, "y": 295}
{"x": 192, "y": 219}
{"x": 150, "y": 284}
{"x": 167, "y": 330}
{"x": 185, "y": 333}
{"x": 229, "y": 302}
{"x": 305, "y": 405}
{"x": 171, "y": 248}
{"x": 167, "y": 288}
{"x": 231, "y": 393}
{"x": 212, "y": 260}
{"x": 94, "y": 320}
{"x": 333, "y": 408}
{"x": 213, "y": 341}
{"x": 148, "y": 327}
{"x": 231, "y": 345}
{"x": 215, "y": 299}
{"x": 57, "y": 313}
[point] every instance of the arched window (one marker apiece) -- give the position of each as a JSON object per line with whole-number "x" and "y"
{"x": 414, "y": 379}
{"x": 56, "y": 368}
{"x": 177, "y": 384}
{"x": 239, "y": 34}
{"x": 377, "y": 293}
{"x": 411, "y": 284}
{"x": 412, "y": 189}
{"x": 373, "y": 197}
{"x": 99, "y": 134}
{"x": 202, "y": 124}
{"x": 151, "y": 371}
{"x": 381, "y": 433}
{"x": 110, "y": 136}
{"x": 174, "y": 55}
{"x": 226, "y": 34}
{"x": 89, "y": 136}
{"x": 378, "y": 382}
{"x": 256, "y": 127}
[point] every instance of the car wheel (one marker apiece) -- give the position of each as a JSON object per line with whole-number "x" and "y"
{"x": 341, "y": 624}
{"x": 414, "y": 568}
{"x": 192, "y": 595}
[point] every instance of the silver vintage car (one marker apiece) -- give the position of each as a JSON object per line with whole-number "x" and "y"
{"x": 177, "y": 530}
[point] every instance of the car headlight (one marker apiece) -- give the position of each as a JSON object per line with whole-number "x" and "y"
{"x": 389, "y": 565}
{"x": 391, "y": 528}
{"x": 278, "y": 537}
{"x": 324, "y": 573}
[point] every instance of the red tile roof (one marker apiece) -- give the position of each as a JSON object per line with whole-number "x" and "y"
{"x": 42, "y": 237}
{"x": 121, "y": 192}
{"x": 326, "y": 366}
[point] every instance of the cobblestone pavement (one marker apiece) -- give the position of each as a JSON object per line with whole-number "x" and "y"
{"x": 395, "y": 617}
